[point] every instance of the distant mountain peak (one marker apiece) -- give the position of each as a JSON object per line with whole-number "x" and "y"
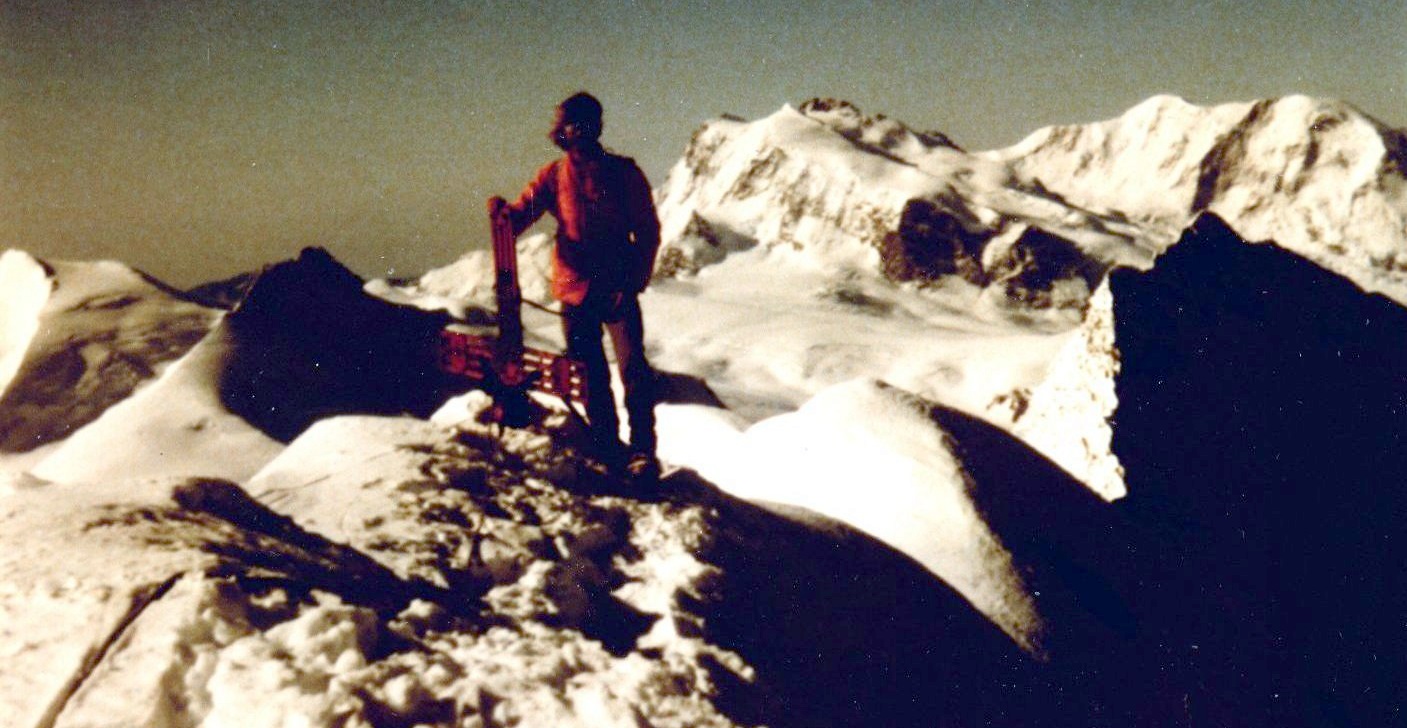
{"x": 878, "y": 131}
{"x": 1317, "y": 176}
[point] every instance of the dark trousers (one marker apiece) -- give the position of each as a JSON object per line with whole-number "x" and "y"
{"x": 620, "y": 317}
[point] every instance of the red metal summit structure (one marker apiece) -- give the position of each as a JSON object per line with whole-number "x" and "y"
{"x": 500, "y": 364}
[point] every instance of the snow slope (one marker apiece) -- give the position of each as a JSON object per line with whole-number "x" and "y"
{"x": 178, "y": 426}
{"x": 28, "y": 285}
{"x": 75, "y": 338}
{"x": 867, "y": 455}
{"x": 911, "y": 474}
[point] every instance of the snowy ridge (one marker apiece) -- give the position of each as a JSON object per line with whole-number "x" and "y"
{"x": 915, "y": 497}
{"x": 1318, "y": 177}
{"x": 800, "y": 179}
{"x": 396, "y": 570}
{"x": 27, "y": 284}
{"x": 176, "y": 427}
{"x": 1067, "y": 416}
{"x": 877, "y": 132}
{"x": 1145, "y": 164}
{"x": 206, "y": 607}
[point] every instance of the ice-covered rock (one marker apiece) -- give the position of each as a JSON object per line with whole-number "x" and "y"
{"x": 1067, "y": 416}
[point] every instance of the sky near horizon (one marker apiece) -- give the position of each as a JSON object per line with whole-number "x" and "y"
{"x": 201, "y": 138}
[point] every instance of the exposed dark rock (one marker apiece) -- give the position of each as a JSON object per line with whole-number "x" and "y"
{"x": 675, "y": 388}
{"x": 1036, "y": 261}
{"x": 1229, "y": 149}
{"x": 309, "y": 343}
{"x": 1262, "y": 403}
{"x": 1395, "y": 152}
{"x": 932, "y": 242}
{"x": 894, "y": 131}
{"x": 699, "y": 245}
{"x": 827, "y": 104}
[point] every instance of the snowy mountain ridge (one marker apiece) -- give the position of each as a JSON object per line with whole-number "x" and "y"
{"x": 1317, "y": 176}
{"x": 878, "y": 132}
{"x": 838, "y": 187}
{"x": 76, "y": 338}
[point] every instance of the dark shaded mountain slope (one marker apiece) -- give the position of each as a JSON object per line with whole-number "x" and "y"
{"x": 309, "y": 343}
{"x": 1262, "y": 403}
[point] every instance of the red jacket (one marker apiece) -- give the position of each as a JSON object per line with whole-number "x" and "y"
{"x": 607, "y": 230}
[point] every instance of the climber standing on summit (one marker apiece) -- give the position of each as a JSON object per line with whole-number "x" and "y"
{"x": 607, "y": 236}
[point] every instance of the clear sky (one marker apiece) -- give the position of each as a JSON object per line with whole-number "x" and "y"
{"x": 200, "y": 138}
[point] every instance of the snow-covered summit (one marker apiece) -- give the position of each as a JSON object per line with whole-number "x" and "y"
{"x": 1317, "y": 176}
{"x": 878, "y": 131}
{"x": 828, "y": 188}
